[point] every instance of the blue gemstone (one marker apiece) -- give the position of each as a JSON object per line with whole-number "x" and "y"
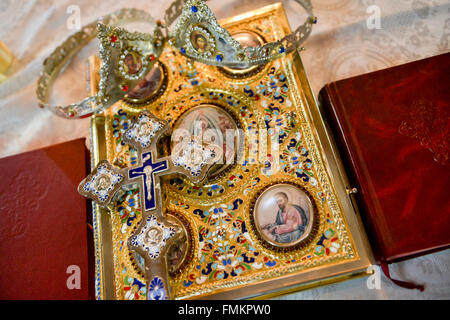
{"x": 219, "y": 58}
{"x": 194, "y": 9}
{"x": 183, "y": 50}
{"x": 282, "y": 50}
{"x": 314, "y": 20}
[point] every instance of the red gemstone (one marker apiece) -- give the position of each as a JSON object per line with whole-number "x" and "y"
{"x": 152, "y": 57}
{"x": 113, "y": 38}
{"x": 125, "y": 88}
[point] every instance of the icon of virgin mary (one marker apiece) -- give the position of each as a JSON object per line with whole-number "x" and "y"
{"x": 212, "y": 125}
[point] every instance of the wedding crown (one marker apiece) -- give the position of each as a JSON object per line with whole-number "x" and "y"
{"x": 128, "y": 56}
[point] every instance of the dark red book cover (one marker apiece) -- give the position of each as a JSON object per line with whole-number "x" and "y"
{"x": 392, "y": 128}
{"x": 43, "y": 229}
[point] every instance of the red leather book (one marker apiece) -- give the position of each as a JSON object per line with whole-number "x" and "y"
{"x": 392, "y": 128}
{"x": 43, "y": 224}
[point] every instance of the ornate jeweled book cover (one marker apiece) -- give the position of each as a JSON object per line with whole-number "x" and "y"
{"x": 275, "y": 219}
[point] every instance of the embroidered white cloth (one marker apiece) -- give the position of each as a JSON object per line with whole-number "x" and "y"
{"x": 341, "y": 45}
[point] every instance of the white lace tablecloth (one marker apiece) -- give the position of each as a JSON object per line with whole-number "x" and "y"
{"x": 341, "y": 45}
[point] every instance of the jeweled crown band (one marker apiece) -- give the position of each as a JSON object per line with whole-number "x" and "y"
{"x": 128, "y": 57}
{"x": 199, "y": 36}
{"x": 63, "y": 53}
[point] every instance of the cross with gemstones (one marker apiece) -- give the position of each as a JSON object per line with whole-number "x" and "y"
{"x": 154, "y": 234}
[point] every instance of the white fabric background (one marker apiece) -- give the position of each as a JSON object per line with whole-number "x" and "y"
{"x": 340, "y": 46}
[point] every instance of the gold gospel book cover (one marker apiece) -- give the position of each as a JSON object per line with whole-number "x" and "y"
{"x": 270, "y": 222}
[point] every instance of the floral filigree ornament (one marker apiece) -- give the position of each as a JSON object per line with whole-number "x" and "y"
{"x": 154, "y": 234}
{"x": 156, "y": 289}
{"x": 428, "y": 123}
{"x": 127, "y": 57}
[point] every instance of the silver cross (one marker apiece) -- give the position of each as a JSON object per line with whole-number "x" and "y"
{"x": 154, "y": 235}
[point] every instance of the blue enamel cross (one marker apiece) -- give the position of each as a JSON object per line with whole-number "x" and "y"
{"x": 147, "y": 170}
{"x": 154, "y": 234}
